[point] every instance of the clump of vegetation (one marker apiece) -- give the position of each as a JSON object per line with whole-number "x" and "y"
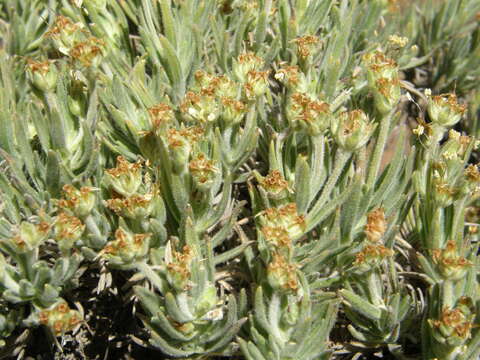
{"x": 257, "y": 179}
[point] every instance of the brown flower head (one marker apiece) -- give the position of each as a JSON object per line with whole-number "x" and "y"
{"x": 376, "y": 225}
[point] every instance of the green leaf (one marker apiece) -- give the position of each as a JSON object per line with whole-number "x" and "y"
{"x": 302, "y": 185}
{"x": 360, "y": 305}
{"x": 162, "y": 323}
{"x": 149, "y": 300}
{"x": 163, "y": 345}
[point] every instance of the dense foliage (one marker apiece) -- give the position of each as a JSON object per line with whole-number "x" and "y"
{"x": 259, "y": 179}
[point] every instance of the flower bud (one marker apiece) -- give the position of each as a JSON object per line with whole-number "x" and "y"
{"x": 281, "y": 275}
{"x": 352, "y": 130}
{"x": 59, "y": 318}
{"x": 43, "y": 75}
{"x": 80, "y": 202}
{"x": 208, "y": 302}
{"x": 126, "y": 248}
{"x": 444, "y": 109}
{"x": 304, "y": 113}
{"x": 77, "y": 99}
{"x": 126, "y": 178}
{"x": 68, "y": 229}
{"x": 449, "y": 263}
{"x": 203, "y": 172}
{"x": 244, "y": 64}
{"x": 291, "y": 312}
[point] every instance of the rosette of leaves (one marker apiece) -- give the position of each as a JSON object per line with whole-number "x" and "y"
{"x": 135, "y": 197}
{"x": 25, "y": 276}
{"x": 200, "y": 184}
{"x": 58, "y": 318}
{"x": 289, "y": 326}
{"x": 450, "y": 327}
{"x": 185, "y": 315}
{"x": 379, "y": 313}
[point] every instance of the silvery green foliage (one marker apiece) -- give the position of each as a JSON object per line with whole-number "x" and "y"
{"x": 248, "y": 164}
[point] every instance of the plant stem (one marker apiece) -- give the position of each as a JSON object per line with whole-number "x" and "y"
{"x": 378, "y": 151}
{"x": 340, "y": 162}
{"x": 436, "y": 241}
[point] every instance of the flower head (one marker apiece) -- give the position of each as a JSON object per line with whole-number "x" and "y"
{"x": 453, "y": 326}
{"x": 126, "y": 178}
{"x": 282, "y": 275}
{"x": 68, "y": 229}
{"x": 203, "y": 171}
{"x": 305, "y": 45}
{"x": 455, "y": 148}
{"x": 376, "y": 225}
{"x": 180, "y": 143}
{"x": 135, "y": 206}
{"x": 256, "y": 84}
{"x": 179, "y": 268}
{"x": 88, "y": 53}
{"x": 382, "y": 75}
{"x": 444, "y": 110}
{"x": 379, "y": 66}
{"x": 43, "y": 75}
{"x": 313, "y": 116}
{"x": 274, "y": 184}
{"x": 285, "y": 217}
{"x": 449, "y": 263}
{"x": 372, "y": 254}
{"x": 289, "y": 75}
{"x": 30, "y": 236}
{"x": 246, "y": 63}
{"x": 160, "y": 115}
{"x": 80, "y": 202}
{"x": 202, "y": 107}
{"x": 65, "y": 34}
{"x": 59, "y": 318}
{"x": 126, "y": 248}
{"x": 233, "y": 110}
{"x": 352, "y": 130}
